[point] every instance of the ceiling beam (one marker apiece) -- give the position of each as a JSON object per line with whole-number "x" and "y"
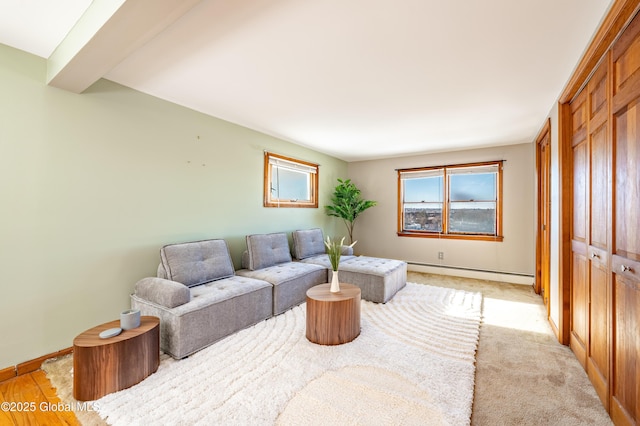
{"x": 106, "y": 34}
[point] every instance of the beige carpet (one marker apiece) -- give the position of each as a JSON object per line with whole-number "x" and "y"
{"x": 413, "y": 362}
{"x": 523, "y": 375}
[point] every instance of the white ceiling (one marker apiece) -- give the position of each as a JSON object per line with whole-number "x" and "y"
{"x": 356, "y": 79}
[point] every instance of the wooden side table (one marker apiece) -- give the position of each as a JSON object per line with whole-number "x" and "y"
{"x": 102, "y": 366}
{"x": 333, "y": 318}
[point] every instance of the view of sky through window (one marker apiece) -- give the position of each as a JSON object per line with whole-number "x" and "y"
{"x": 473, "y": 187}
{"x": 428, "y": 189}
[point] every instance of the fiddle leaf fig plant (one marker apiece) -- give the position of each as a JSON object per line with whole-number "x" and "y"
{"x": 348, "y": 204}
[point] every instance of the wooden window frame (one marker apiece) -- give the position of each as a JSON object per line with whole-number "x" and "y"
{"x": 270, "y": 201}
{"x": 445, "y": 234}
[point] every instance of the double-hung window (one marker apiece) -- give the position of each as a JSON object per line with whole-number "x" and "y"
{"x": 289, "y": 182}
{"x": 459, "y": 201}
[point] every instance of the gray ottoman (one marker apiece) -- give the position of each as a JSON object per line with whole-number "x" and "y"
{"x": 379, "y": 279}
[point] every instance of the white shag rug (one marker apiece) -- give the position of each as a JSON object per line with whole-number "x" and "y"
{"x": 413, "y": 363}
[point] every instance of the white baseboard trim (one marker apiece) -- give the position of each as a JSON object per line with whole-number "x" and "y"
{"x": 472, "y": 273}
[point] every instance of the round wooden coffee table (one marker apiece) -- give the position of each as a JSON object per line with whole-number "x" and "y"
{"x": 333, "y": 318}
{"x": 102, "y": 366}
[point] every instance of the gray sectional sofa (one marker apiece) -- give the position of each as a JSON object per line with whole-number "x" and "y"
{"x": 200, "y": 298}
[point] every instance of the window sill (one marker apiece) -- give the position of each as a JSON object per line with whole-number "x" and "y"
{"x": 495, "y": 238}
{"x": 291, "y": 205}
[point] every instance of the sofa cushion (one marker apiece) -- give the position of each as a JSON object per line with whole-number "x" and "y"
{"x": 207, "y": 295}
{"x": 163, "y": 292}
{"x": 308, "y": 242}
{"x": 290, "y": 280}
{"x": 267, "y": 250}
{"x": 197, "y": 262}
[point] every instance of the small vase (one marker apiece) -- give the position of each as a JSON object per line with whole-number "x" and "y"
{"x": 335, "y": 283}
{"x": 130, "y": 319}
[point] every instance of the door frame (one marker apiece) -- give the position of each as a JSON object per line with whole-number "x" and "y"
{"x": 543, "y": 228}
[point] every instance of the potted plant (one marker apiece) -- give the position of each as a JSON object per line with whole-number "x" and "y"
{"x": 347, "y": 204}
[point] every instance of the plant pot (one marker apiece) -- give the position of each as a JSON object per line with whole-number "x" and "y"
{"x": 335, "y": 283}
{"x": 130, "y": 319}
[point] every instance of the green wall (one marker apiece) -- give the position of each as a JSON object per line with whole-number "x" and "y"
{"x": 92, "y": 185}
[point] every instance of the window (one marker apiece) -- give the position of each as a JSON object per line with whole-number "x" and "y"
{"x": 289, "y": 182}
{"x": 460, "y": 201}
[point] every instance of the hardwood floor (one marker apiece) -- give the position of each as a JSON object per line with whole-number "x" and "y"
{"x": 29, "y": 399}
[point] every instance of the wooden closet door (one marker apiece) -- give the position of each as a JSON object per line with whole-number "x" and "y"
{"x": 579, "y": 335}
{"x": 590, "y": 284}
{"x": 599, "y": 231}
{"x": 625, "y": 394}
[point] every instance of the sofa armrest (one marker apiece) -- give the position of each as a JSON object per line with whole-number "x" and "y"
{"x": 347, "y": 251}
{"x": 163, "y": 292}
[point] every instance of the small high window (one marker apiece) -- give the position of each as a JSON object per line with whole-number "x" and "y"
{"x": 460, "y": 201}
{"x": 289, "y": 182}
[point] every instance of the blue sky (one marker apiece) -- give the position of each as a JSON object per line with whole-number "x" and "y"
{"x": 465, "y": 187}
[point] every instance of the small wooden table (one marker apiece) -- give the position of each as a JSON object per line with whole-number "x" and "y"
{"x": 333, "y": 318}
{"x": 102, "y": 366}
